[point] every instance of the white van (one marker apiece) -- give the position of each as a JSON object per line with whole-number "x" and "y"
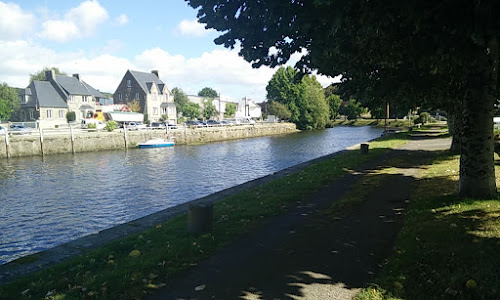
{"x": 98, "y": 124}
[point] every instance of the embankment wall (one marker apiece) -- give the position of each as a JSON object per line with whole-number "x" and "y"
{"x": 55, "y": 143}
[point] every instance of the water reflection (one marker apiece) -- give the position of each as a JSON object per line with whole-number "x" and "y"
{"x": 47, "y": 202}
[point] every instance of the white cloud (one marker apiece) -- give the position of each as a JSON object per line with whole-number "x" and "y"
{"x": 78, "y": 22}
{"x": 121, "y": 20}
{"x": 14, "y": 22}
{"x": 192, "y": 28}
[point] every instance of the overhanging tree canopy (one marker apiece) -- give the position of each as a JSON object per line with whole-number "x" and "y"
{"x": 419, "y": 50}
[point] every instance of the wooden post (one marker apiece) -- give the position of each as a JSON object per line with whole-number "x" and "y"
{"x": 125, "y": 134}
{"x": 72, "y": 139}
{"x": 200, "y": 218}
{"x": 7, "y": 146}
{"x": 41, "y": 138}
{"x": 364, "y": 148}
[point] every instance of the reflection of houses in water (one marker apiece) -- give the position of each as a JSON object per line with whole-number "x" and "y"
{"x": 49, "y": 101}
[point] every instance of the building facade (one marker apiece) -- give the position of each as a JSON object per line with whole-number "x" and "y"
{"x": 155, "y": 99}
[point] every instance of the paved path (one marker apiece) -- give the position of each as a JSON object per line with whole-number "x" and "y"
{"x": 306, "y": 254}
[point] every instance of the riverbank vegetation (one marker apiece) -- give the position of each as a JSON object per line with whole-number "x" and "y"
{"x": 134, "y": 266}
{"x": 448, "y": 247}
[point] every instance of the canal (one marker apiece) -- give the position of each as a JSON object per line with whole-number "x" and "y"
{"x": 44, "y": 203}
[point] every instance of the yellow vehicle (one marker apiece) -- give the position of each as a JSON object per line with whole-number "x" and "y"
{"x": 98, "y": 115}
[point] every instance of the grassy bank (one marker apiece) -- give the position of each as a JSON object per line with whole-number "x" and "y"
{"x": 392, "y": 123}
{"x": 448, "y": 247}
{"x": 134, "y": 266}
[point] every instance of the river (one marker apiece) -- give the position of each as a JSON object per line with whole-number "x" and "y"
{"x": 44, "y": 203}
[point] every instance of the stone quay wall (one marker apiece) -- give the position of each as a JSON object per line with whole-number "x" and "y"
{"x": 55, "y": 142}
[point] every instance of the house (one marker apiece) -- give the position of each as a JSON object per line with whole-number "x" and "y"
{"x": 155, "y": 99}
{"x": 219, "y": 103}
{"x": 247, "y": 108}
{"x": 49, "y": 101}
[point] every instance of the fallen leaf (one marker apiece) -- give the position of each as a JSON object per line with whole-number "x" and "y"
{"x": 199, "y": 288}
{"x": 134, "y": 253}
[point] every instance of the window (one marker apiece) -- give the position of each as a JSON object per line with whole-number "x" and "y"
{"x": 137, "y": 96}
{"x": 163, "y": 110}
{"x": 85, "y": 99}
{"x": 31, "y": 115}
{"x": 61, "y": 114}
{"x": 71, "y": 99}
{"x": 155, "y": 111}
{"x": 129, "y": 83}
{"x": 49, "y": 113}
{"x": 120, "y": 97}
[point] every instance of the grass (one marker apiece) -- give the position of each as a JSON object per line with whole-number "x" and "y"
{"x": 448, "y": 247}
{"x": 134, "y": 266}
{"x": 372, "y": 122}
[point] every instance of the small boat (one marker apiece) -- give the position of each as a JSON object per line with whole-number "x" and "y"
{"x": 156, "y": 143}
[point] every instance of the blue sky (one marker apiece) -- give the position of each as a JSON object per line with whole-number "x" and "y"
{"x": 100, "y": 40}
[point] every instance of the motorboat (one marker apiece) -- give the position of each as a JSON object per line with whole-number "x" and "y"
{"x": 156, "y": 143}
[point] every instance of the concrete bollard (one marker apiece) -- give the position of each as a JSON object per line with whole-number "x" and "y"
{"x": 200, "y": 218}
{"x": 364, "y": 148}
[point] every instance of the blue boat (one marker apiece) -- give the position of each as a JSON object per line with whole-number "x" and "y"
{"x": 156, "y": 143}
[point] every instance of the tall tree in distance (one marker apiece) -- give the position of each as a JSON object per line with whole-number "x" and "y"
{"x": 230, "y": 110}
{"x": 208, "y": 93}
{"x": 180, "y": 98}
{"x": 191, "y": 110}
{"x": 9, "y": 101}
{"x": 209, "y": 109}
{"x": 40, "y": 75}
{"x": 134, "y": 105}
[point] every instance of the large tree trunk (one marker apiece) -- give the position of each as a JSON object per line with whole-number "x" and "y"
{"x": 477, "y": 169}
{"x": 455, "y": 126}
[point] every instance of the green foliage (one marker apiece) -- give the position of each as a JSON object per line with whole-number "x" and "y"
{"x": 280, "y": 110}
{"x": 423, "y": 118}
{"x": 209, "y": 109}
{"x": 352, "y": 110}
{"x": 40, "y": 75}
{"x": 111, "y": 125}
{"x": 164, "y": 117}
{"x": 146, "y": 119}
{"x": 191, "y": 110}
{"x": 9, "y": 101}
{"x": 180, "y": 98}
{"x": 208, "y": 93}
{"x": 70, "y": 116}
{"x": 303, "y": 97}
{"x": 230, "y": 110}
{"x": 91, "y": 126}
{"x": 334, "y": 103}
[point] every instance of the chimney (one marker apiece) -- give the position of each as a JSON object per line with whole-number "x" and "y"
{"x": 156, "y": 73}
{"x": 77, "y": 76}
{"x": 50, "y": 75}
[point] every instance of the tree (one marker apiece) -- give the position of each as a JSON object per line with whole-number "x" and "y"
{"x": 230, "y": 110}
{"x": 191, "y": 110}
{"x": 209, "y": 109}
{"x": 208, "y": 93}
{"x": 352, "y": 109}
{"x": 180, "y": 98}
{"x": 9, "y": 101}
{"x": 285, "y": 88}
{"x": 416, "y": 52}
{"x": 334, "y": 103}
{"x": 40, "y": 75}
{"x": 314, "y": 111}
{"x": 134, "y": 105}
{"x": 280, "y": 110}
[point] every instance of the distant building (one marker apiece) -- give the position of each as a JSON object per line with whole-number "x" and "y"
{"x": 220, "y": 104}
{"x": 247, "y": 108}
{"x": 49, "y": 101}
{"x": 155, "y": 99}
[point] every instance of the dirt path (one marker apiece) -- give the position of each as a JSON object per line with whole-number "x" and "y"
{"x": 307, "y": 254}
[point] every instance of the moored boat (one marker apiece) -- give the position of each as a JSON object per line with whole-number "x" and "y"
{"x": 156, "y": 143}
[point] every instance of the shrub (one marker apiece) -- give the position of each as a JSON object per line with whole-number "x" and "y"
{"x": 111, "y": 125}
{"x": 424, "y": 117}
{"x": 71, "y": 116}
{"x": 91, "y": 126}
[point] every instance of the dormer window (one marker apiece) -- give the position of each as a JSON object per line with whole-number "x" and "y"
{"x": 129, "y": 83}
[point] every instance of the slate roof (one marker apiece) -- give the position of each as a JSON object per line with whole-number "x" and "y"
{"x": 167, "y": 104}
{"x": 93, "y": 91}
{"x": 44, "y": 93}
{"x": 72, "y": 86}
{"x": 144, "y": 78}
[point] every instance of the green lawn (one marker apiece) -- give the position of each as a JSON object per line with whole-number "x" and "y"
{"x": 134, "y": 266}
{"x": 448, "y": 247}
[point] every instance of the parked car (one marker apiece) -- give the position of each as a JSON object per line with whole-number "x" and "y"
{"x": 19, "y": 129}
{"x": 212, "y": 123}
{"x": 193, "y": 123}
{"x": 157, "y": 125}
{"x": 135, "y": 126}
{"x": 2, "y": 130}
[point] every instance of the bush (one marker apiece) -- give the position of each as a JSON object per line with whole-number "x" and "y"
{"x": 111, "y": 125}
{"x": 71, "y": 116}
{"x": 424, "y": 117}
{"x": 91, "y": 126}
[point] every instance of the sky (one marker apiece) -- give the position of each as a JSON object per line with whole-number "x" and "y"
{"x": 101, "y": 40}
